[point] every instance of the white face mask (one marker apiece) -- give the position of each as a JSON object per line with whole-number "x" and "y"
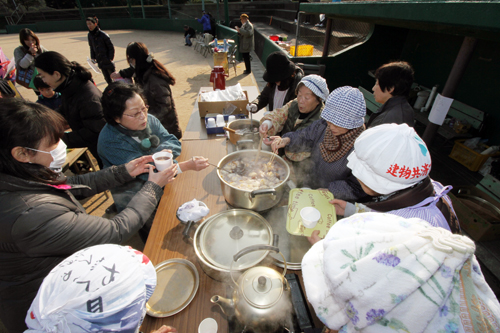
{"x": 58, "y": 156}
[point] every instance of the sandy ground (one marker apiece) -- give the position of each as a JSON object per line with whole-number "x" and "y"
{"x": 190, "y": 69}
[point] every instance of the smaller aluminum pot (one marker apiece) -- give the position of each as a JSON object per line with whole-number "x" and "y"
{"x": 219, "y": 237}
{"x": 240, "y": 124}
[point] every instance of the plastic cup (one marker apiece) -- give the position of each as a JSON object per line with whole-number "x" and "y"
{"x": 208, "y": 325}
{"x": 211, "y": 123}
{"x": 162, "y": 160}
{"x": 231, "y": 118}
{"x": 220, "y": 120}
{"x": 310, "y": 216}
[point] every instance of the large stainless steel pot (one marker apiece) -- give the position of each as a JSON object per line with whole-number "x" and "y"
{"x": 223, "y": 235}
{"x": 258, "y": 200}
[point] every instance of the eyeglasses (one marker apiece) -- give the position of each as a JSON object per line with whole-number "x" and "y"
{"x": 143, "y": 112}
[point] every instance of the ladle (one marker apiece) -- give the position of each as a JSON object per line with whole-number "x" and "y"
{"x": 229, "y": 130}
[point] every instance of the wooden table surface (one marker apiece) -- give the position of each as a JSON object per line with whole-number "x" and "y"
{"x": 196, "y": 130}
{"x": 165, "y": 239}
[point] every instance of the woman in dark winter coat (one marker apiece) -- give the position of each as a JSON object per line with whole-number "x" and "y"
{"x": 42, "y": 222}
{"x": 81, "y": 100}
{"x": 102, "y": 50}
{"x": 155, "y": 80}
{"x": 282, "y": 77}
{"x": 391, "y": 89}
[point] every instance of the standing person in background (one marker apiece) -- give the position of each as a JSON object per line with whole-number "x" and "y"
{"x": 205, "y": 20}
{"x": 102, "y": 50}
{"x": 30, "y": 48}
{"x": 282, "y": 77}
{"x": 246, "y": 41}
{"x": 188, "y": 34}
{"x": 81, "y": 100}
{"x": 391, "y": 89}
{"x": 155, "y": 80}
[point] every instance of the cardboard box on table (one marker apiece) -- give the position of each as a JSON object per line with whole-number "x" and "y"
{"x": 476, "y": 221}
{"x": 218, "y": 107}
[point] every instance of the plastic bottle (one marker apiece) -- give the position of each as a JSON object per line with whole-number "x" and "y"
{"x": 215, "y": 42}
{"x": 225, "y": 45}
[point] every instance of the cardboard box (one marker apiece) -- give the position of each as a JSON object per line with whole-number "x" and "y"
{"x": 476, "y": 218}
{"x": 218, "y": 107}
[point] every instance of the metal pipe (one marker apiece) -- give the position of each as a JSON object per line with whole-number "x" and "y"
{"x": 456, "y": 74}
{"x": 226, "y": 13}
{"x": 297, "y": 36}
{"x": 80, "y": 9}
{"x": 142, "y": 6}
{"x": 328, "y": 33}
{"x": 169, "y": 10}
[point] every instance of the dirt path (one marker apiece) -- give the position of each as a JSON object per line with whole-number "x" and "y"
{"x": 189, "y": 67}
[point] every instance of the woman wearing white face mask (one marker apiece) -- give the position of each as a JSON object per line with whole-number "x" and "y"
{"x": 42, "y": 222}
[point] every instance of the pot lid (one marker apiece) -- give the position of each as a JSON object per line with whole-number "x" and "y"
{"x": 228, "y": 232}
{"x": 262, "y": 287}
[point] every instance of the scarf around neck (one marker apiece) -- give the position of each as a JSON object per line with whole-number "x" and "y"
{"x": 335, "y": 147}
{"x": 148, "y": 141}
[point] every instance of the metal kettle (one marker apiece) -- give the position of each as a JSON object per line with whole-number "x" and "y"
{"x": 261, "y": 298}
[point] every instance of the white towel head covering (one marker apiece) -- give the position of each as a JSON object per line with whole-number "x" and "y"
{"x": 389, "y": 158}
{"x": 102, "y": 288}
{"x": 382, "y": 273}
{"x": 345, "y": 107}
{"x": 317, "y": 85}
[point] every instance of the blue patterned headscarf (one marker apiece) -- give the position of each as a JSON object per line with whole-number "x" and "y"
{"x": 345, "y": 107}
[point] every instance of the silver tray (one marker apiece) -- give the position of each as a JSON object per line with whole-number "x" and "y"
{"x": 176, "y": 286}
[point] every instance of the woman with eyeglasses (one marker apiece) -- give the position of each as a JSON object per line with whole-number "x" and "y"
{"x": 155, "y": 80}
{"x": 81, "y": 99}
{"x": 42, "y": 221}
{"x": 130, "y": 133}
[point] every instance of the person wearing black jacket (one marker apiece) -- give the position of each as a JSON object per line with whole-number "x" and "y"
{"x": 188, "y": 34}
{"x": 102, "y": 50}
{"x": 81, "y": 99}
{"x": 282, "y": 76}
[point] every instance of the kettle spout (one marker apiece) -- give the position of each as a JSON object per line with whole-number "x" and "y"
{"x": 227, "y": 305}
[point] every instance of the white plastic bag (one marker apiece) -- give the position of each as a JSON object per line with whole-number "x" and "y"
{"x": 192, "y": 211}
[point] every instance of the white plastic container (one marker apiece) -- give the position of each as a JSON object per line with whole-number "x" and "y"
{"x": 211, "y": 123}
{"x": 162, "y": 160}
{"x": 310, "y": 216}
{"x": 208, "y": 325}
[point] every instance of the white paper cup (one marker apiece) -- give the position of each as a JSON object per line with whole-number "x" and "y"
{"x": 220, "y": 120}
{"x": 163, "y": 160}
{"x": 211, "y": 122}
{"x": 231, "y": 118}
{"x": 208, "y": 325}
{"x": 310, "y": 216}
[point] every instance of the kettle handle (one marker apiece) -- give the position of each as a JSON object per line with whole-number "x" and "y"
{"x": 253, "y": 248}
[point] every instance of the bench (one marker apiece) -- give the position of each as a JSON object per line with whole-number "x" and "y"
{"x": 312, "y": 69}
{"x": 458, "y": 110}
{"x": 371, "y": 105}
{"x": 462, "y": 112}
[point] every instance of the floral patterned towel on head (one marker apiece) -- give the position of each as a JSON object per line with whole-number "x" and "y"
{"x": 380, "y": 273}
